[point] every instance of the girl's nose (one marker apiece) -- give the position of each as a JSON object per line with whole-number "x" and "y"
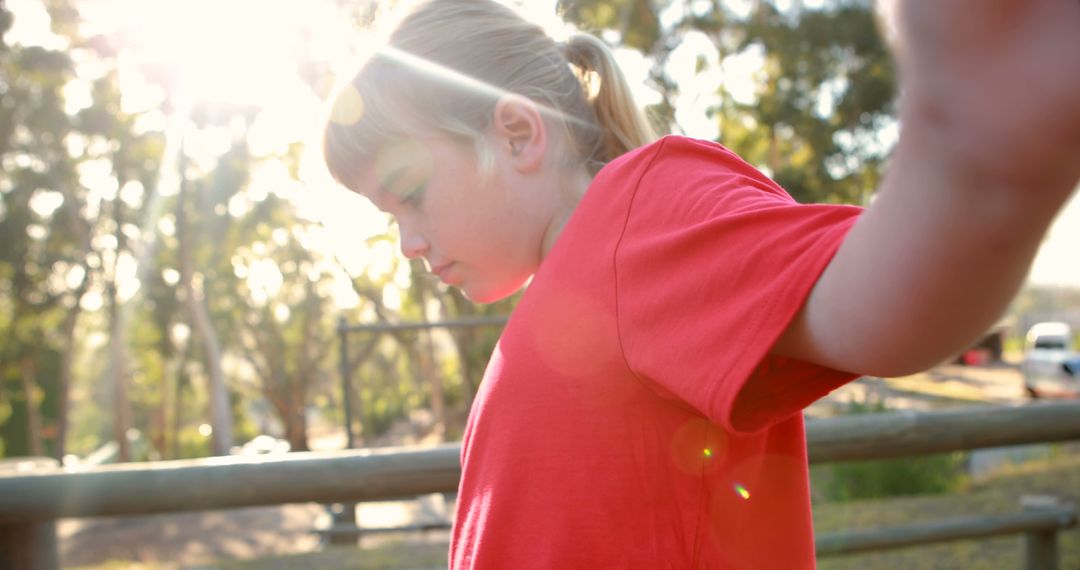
{"x": 412, "y": 243}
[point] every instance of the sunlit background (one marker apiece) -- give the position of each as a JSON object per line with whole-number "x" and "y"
{"x": 172, "y": 55}
{"x": 227, "y": 99}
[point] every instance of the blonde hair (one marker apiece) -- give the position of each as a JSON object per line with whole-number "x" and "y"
{"x": 447, "y": 63}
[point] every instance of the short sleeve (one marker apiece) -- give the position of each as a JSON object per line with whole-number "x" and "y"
{"x": 713, "y": 263}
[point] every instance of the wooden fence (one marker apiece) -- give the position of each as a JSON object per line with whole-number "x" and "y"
{"x": 31, "y": 502}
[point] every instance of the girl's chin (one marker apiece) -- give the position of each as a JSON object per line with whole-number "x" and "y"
{"x": 484, "y": 295}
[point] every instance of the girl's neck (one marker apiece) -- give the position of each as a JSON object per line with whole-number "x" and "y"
{"x": 572, "y": 191}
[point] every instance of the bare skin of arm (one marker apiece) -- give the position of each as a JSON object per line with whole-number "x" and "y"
{"x": 989, "y": 152}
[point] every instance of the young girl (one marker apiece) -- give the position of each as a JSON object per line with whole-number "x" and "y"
{"x": 642, "y": 408}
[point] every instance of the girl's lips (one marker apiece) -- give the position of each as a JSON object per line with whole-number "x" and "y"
{"x": 442, "y": 271}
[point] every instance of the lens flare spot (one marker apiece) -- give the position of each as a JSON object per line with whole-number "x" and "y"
{"x": 348, "y": 107}
{"x": 742, "y": 491}
{"x": 575, "y": 340}
{"x": 698, "y": 447}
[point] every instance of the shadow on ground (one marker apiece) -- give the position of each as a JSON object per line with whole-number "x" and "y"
{"x": 189, "y": 537}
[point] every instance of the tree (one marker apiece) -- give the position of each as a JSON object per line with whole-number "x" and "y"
{"x": 822, "y": 113}
{"x": 284, "y": 314}
{"x": 824, "y": 101}
{"x": 194, "y": 285}
{"x": 40, "y": 257}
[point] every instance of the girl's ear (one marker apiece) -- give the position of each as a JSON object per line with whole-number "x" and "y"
{"x": 520, "y": 132}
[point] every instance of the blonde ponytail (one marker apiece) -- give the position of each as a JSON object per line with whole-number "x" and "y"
{"x": 622, "y": 123}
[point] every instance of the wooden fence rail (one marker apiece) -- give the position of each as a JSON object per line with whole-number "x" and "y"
{"x": 33, "y": 500}
{"x": 1039, "y": 526}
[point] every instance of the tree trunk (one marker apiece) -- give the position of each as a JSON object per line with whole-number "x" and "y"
{"x": 306, "y": 366}
{"x": 117, "y": 338}
{"x": 430, "y": 371}
{"x": 356, "y": 403}
{"x": 220, "y": 412}
{"x": 174, "y": 441}
{"x": 33, "y": 414}
{"x": 296, "y": 423}
{"x": 118, "y": 376}
{"x": 425, "y": 353}
{"x": 178, "y": 403}
{"x": 159, "y": 420}
{"x": 67, "y": 365}
{"x": 268, "y": 357}
{"x": 466, "y": 339}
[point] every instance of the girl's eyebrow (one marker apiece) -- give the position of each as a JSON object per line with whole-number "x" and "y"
{"x": 403, "y": 184}
{"x": 393, "y": 177}
{"x": 386, "y": 187}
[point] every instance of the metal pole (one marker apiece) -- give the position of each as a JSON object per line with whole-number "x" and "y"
{"x": 344, "y": 514}
{"x": 346, "y": 389}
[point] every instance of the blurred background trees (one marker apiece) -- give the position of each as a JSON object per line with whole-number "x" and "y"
{"x": 174, "y": 263}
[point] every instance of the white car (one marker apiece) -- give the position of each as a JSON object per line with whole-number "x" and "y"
{"x": 1051, "y": 367}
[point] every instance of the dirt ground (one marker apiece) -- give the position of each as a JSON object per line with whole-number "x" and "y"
{"x": 189, "y": 538}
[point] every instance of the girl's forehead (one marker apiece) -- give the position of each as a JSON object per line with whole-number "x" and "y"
{"x": 406, "y": 154}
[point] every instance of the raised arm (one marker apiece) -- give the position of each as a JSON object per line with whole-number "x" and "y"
{"x": 989, "y": 152}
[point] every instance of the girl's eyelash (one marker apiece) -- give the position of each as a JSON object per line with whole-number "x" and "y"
{"x": 412, "y": 196}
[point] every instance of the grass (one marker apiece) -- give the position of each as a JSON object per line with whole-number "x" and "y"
{"x": 391, "y": 555}
{"x": 998, "y": 494}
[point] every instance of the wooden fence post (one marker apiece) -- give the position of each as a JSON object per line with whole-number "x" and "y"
{"x": 1040, "y": 550}
{"x": 28, "y": 544}
{"x": 1040, "y": 547}
{"x": 344, "y": 516}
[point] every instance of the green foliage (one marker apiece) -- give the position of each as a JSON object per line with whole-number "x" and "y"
{"x": 35, "y": 166}
{"x": 15, "y": 430}
{"x": 878, "y": 479}
{"x": 191, "y": 444}
{"x": 825, "y": 93}
{"x": 244, "y": 427}
{"x": 925, "y": 475}
{"x": 635, "y": 20}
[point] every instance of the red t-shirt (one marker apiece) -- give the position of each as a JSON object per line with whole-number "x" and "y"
{"x": 630, "y": 416}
